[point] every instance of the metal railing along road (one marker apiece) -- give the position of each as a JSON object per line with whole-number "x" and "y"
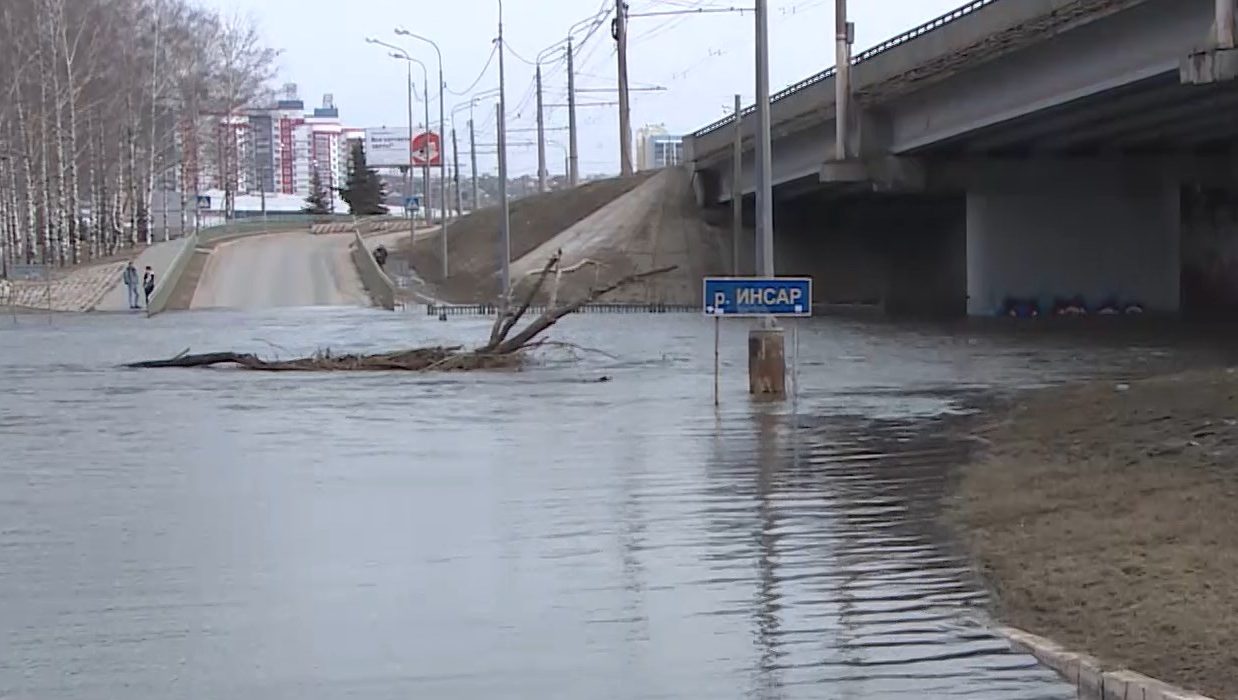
{"x": 855, "y": 60}
{"x": 602, "y": 308}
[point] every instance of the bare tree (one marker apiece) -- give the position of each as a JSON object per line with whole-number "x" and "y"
{"x": 99, "y": 100}
{"x": 244, "y": 69}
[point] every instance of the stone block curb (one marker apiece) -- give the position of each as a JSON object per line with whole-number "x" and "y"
{"x": 1092, "y": 681}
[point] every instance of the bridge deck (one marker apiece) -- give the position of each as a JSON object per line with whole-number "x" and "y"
{"x": 975, "y": 32}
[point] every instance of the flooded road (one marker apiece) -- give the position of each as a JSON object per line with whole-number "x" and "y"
{"x": 220, "y": 534}
{"x": 280, "y": 270}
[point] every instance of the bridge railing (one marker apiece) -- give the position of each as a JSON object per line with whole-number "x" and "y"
{"x": 855, "y": 60}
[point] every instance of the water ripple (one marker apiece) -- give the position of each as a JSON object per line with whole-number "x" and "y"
{"x": 188, "y": 534}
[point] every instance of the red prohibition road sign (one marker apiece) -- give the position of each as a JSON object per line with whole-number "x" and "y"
{"x": 427, "y": 148}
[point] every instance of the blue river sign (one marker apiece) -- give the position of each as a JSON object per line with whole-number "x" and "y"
{"x": 758, "y": 296}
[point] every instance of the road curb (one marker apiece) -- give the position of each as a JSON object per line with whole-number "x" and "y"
{"x": 376, "y": 282}
{"x": 1092, "y": 681}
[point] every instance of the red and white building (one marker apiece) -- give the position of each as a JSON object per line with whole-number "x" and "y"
{"x": 270, "y": 150}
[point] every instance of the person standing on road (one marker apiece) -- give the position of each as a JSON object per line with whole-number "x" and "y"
{"x": 130, "y": 278}
{"x": 148, "y": 283}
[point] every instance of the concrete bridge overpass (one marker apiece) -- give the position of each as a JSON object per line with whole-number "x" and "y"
{"x": 1011, "y": 148}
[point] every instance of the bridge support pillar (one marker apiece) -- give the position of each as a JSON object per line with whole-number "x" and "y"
{"x": 1059, "y": 229}
{"x": 1218, "y": 62}
{"x": 767, "y": 363}
{"x": 1210, "y": 66}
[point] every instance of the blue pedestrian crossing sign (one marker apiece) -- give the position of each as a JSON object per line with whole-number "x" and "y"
{"x": 758, "y": 296}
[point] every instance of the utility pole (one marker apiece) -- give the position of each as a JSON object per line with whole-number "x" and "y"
{"x": 625, "y": 124}
{"x": 767, "y": 365}
{"x": 505, "y": 229}
{"x": 473, "y": 156}
{"x": 412, "y": 169}
{"x": 541, "y": 137}
{"x": 573, "y": 158}
{"x": 504, "y": 215}
{"x": 455, "y": 164}
{"x": 737, "y": 187}
{"x": 765, "y": 204}
{"x": 425, "y": 165}
{"x": 442, "y": 169}
{"x": 842, "y": 80}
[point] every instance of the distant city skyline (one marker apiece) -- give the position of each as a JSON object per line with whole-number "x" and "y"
{"x": 701, "y": 59}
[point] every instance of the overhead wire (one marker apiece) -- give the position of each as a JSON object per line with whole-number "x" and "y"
{"x": 494, "y": 49}
{"x": 516, "y": 55}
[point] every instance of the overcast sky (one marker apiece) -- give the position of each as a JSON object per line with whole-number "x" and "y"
{"x": 702, "y": 60}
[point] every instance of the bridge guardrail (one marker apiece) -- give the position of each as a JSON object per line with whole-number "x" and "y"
{"x": 855, "y": 60}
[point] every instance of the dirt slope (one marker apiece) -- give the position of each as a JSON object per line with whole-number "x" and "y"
{"x": 473, "y": 251}
{"x": 657, "y": 224}
{"x": 1104, "y": 517}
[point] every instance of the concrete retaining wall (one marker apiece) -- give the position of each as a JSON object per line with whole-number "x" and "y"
{"x": 166, "y": 284}
{"x": 376, "y": 282}
{"x": 1092, "y": 681}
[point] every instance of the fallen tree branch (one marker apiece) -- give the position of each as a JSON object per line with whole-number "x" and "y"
{"x": 502, "y": 352}
{"x": 552, "y": 315}
{"x": 569, "y": 346}
{"x": 504, "y": 323}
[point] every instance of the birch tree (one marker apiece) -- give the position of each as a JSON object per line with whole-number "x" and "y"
{"x": 102, "y": 101}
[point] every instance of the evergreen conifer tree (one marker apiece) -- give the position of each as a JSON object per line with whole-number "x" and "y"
{"x": 364, "y": 191}
{"x": 318, "y": 201}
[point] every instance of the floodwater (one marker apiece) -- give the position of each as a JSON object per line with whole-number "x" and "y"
{"x": 222, "y": 534}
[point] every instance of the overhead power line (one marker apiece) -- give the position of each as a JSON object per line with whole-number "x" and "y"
{"x": 493, "y": 51}
{"x": 698, "y": 11}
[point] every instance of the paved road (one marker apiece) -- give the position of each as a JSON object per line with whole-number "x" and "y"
{"x": 279, "y": 270}
{"x": 158, "y": 256}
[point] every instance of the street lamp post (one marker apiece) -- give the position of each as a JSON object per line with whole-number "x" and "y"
{"x": 401, "y": 54}
{"x": 441, "y": 130}
{"x": 573, "y": 159}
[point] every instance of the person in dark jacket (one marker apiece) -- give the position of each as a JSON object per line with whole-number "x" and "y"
{"x": 148, "y": 284}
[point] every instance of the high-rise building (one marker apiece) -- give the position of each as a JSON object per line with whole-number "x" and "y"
{"x": 655, "y": 148}
{"x": 290, "y": 157}
{"x": 269, "y": 149}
